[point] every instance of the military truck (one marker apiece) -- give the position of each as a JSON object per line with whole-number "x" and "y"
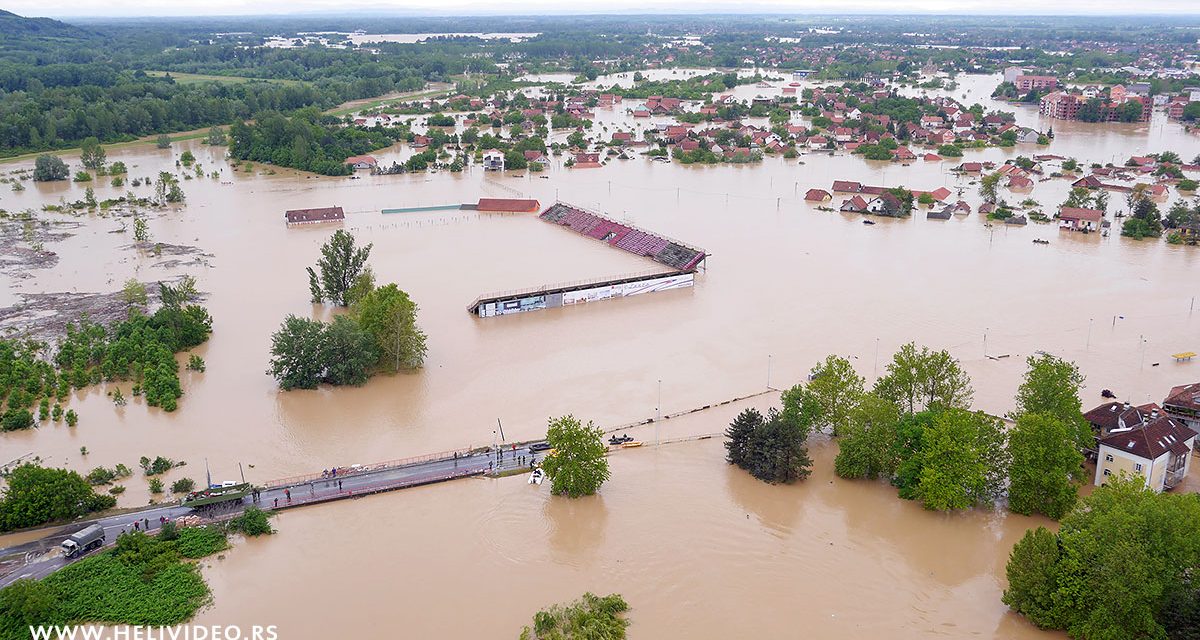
{"x": 83, "y": 540}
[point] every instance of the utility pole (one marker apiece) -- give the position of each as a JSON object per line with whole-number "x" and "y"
{"x": 768, "y": 371}
{"x": 658, "y": 409}
{"x": 875, "y": 369}
{"x": 1089, "y": 338}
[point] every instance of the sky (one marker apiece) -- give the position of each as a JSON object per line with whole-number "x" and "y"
{"x": 67, "y": 8}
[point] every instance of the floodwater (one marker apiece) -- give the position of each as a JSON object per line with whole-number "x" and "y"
{"x": 786, "y": 285}
{"x": 735, "y": 559}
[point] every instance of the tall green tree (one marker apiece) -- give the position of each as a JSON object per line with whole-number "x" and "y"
{"x": 390, "y": 316}
{"x": 91, "y": 154}
{"x": 1033, "y": 577}
{"x": 1051, "y": 386}
{"x": 825, "y": 403}
{"x": 1123, "y": 539}
{"x": 296, "y": 361}
{"x": 964, "y": 461}
{"x": 867, "y": 447}
{"x": 348, "y": 352}
{"x": 1046, "y": 462}
{"x": 578, "y": 465}
{"x": 340, "y": 264}
{"x": 739, "y": 435}
{"x": 925, "y": 379}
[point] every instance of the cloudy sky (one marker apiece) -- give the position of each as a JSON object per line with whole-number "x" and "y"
{"x": 59, "y": 8}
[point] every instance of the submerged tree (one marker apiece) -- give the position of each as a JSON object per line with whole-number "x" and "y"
{"x": 296, "y": 354}
{"x": 390, "y": 316}
{"x": 578, "y": 465}
{"x": 825, "y": 403}
{"x": 920, "y": 380}
{"x": 771, "y": 448}
{"x": 964, "y": 461}
{"x": 868, "y": 444}
{"x": 1045, "y": 464}
{"x": 1051, "y": 386}
{"x": 91, "y": 154}
{"x": 591, "y": 617}
{"x": 340, "y": 265}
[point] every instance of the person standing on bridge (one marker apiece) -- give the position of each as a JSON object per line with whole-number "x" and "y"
{"x": 288, "y": 494}
{"x": 339, "y": 485}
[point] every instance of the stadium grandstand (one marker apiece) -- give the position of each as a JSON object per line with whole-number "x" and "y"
{"x": 672, "y": 253}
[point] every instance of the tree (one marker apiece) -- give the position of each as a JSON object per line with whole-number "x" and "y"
{"x": 348, "y": 353}
{"x": 1045, "y": 464}
{"x": 36, "y": 495}
{"x": 867, "y": 447}
{"x": 296, "y": 354}
{"x": 739, "y": 435}
{"x": 48, "y": 168}
{"x": 964, "y": 460}
{"x": 919, "y": 380}
{"x": 987, "y": 186}
{"x": 363, "y": 284}
{"x": 825, "y": 403}
{"x": 771, "y": 449}
{"x": 183, "y": 485}
{"x": 91, "y": 154}
{"x": 215, "y": 137}
{"x": 390, "y": 316}
{"x": 591, "y": 617}
{"x": 340, "y": 264}
{"x": 163, "y": 141}
{"x": 141, "y": 232}
{"x": 1032, "y": 577}
{"x": 1051, "y": 386}
{"x": 578, "y": 465}
{"x": 134, "y": 293}
{"x": 1123, "y": 539}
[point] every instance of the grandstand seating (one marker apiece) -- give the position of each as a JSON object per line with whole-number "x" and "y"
{"x": 624, "y": 237}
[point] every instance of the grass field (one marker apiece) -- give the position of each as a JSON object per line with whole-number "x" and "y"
{"x": 193, "y": 78}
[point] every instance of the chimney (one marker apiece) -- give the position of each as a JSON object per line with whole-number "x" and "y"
{"x": 1127, "y": 406}
{"x": 1153, "y": 414}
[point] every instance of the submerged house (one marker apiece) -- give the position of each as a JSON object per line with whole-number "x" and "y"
{"x": 1078, "y": 219}
{"x": 314, "y": 216}
{"x": 1159, "y": 451}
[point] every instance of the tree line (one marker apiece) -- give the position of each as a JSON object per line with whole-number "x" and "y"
{"x": 307, "y": 141}
{"x": 916, "y": 429}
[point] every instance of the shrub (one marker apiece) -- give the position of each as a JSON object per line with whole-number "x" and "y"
{"x": 252, "y": 522}
{"x": 156, "y": 486}
{"x": 183, "y": 485}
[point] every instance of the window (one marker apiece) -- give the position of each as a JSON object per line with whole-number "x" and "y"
{"x": 1137, "y": 467}
{"x": 1107, "y": 472}
{"x": 1108, "y": 458}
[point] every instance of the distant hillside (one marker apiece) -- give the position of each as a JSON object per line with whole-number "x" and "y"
{"x": 15, "y": 26}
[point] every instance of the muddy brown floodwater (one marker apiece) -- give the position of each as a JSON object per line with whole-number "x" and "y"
{"x": 786, "y": 285}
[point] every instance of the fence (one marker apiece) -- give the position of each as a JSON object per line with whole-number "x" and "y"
{"x": 370, "y": 468}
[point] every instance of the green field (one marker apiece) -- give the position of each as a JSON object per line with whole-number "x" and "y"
{"x": 193, "y": 78}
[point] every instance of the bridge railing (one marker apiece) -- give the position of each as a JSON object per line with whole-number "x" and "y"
{"x": 351, "y": 470}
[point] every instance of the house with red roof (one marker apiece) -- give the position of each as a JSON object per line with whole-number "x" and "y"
{"x": 1080, "y": 219}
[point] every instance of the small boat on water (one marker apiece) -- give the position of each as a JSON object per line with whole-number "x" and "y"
{"x": 1040, "y": 241}
{"x": 630, "y": 445}
{"x": 868, "y": 222}
{"x": 537, "y": 476}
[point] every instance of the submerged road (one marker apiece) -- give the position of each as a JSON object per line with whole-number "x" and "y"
{"x": 41, "y": 557}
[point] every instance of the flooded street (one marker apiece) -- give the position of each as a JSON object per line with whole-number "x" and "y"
{"x": 698, "y": 549}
